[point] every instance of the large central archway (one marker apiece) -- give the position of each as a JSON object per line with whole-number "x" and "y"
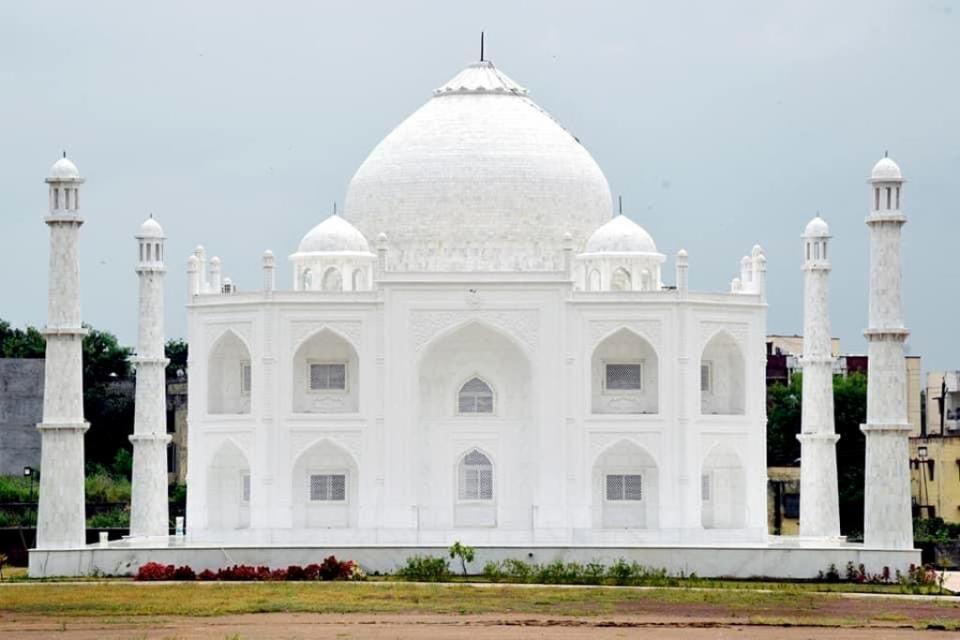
{"x": 475, "y": 393}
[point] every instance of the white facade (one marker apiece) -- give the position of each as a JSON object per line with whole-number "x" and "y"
{"x": 148, "y": 509}
{"x": 506, "y": 367}
{"x": 819, "y": 494}
{"x": 61, "y": 518}
{"x": 887, "y": 519}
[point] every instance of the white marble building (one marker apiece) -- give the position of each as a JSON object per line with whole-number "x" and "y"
{"x": 477, "y": 349}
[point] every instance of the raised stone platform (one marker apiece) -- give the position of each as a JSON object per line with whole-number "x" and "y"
{"x": 780, "y": 558}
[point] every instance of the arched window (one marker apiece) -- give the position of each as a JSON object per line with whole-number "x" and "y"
{"x": 475, "y": 396}
{"x": 306, "y": 280}
{"x": 357, "y": 279}
{"x": 332, "y": 281}
{"x": 620, "y": 280}
{"x": 476, "y": 477}
{"x": 594, "y": 282}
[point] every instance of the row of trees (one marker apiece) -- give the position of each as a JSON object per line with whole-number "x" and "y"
{"x": 850, "y": 411}
{"x": 107, "y": 387}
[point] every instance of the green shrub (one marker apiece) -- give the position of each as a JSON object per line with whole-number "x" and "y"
{"x": 425, "y": 569}
{"x": 115, "y": 518}
{"x": 101, "y": 487}
{"x": 463, "y": 552}
{"x": 27, "y": 518}
{"x": 493, "y": 572}
{"x": 620, "y": 573}
{"x": 517, "y": 570}
{"x": 593, "y": 573}
{"x": 16, "y": 489}
{"x": 559, "y": 573}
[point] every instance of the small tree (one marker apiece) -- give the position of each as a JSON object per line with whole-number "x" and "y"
{"x": 465, "y": 553}
{"x": 3, "y": 561}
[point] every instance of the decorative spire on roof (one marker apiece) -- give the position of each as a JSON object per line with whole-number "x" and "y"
{"x": 481, "y": 46}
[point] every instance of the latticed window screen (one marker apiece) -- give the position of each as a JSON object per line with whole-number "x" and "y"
{"x": 476, "y": 477}
{"x": 475, "y": 396}
{"x": 705, "y": 487}
{"x": 328, "y": 487}
{"x": 625, "y": 376}
{"x": 246, "y": 487}
{"x": 328, "y": 376}
{"x": 706, "y": 376}
{"x": 245, "y": 378}
{"x": 624, "y": 487}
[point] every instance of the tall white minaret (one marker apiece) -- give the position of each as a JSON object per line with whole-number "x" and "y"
{"x": 819, "y": 494}
{"x": 61, "y": 521}
{"x": 887, "y": 518}
{"x": 149, "y": 511}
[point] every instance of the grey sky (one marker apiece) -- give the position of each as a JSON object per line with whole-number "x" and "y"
{"x": 722, "y": 125}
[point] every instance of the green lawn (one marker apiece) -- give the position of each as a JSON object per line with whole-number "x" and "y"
{"x": 789, "y": 604}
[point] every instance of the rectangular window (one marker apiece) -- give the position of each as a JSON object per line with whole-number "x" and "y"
{"x": 328, "y": 376}
{"x": 888, "y": 197}
{"x": 245, "y": 487}
{"x": 816, "y": 250}
{"x": 624, "y": 377}
{"x": 898, "y": 198}
{"x": 706, "y": 376}
{"x": 476, "y": 483}
{"x": 876, "y": 199}
{"x": 705, "y": 487}
{"x": 625, "y": 487}
{"x": 246, "y": 378}
{"x": 824, "y": 249}
{"x": 171, "y": 458}
{"x": 791, "y": 505}
{"x": 328, "y": 487}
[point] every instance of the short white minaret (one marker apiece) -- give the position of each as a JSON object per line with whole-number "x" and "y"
{"x": 149, "y": 516}
{"x": 269, "y": 281}
{"x": 819, "y": 495}
{"x": 887, "y": 518}
{"x": 61, "y": 520}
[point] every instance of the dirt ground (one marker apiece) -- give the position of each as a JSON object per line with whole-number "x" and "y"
{"x": 276, "y": 626}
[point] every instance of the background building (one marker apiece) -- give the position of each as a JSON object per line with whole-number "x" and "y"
{"x": 21, "y": 408}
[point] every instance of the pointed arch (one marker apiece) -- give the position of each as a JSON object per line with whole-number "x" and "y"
{"x": 358, "y": 280}
{"x": 626, "y": 487}
{"x": 306, "y": 280}
{"x": 722, "y": 375}
{"x": 229, "y": 375}
{"x": 475, "y": 476}
{"x": 723, "y": 495}
{"x": 229, "y": 487}
{"x": 332, "y": 280}
{"x": 594, "y": 282}
{"x": 325, "y": 486}
{"x": 624, "y": 374}
{"x": 620, "y": 280}
{"x": 476, "y": 396}
{"x": 326, "y": 376}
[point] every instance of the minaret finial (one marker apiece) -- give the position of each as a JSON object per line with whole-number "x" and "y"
{"x": 885, "y": 154}
{"x": 334, "y": 207}
{"x": 64, "y": 153}
{"x": 620, "y": 204}
{"x": 481, "y": 46}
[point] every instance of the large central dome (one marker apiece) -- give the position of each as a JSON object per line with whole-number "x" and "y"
{"x": 478, "y": 178}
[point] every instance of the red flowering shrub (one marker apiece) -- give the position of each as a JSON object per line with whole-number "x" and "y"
{"x": 206, "y": 574}
{"x": 311, "y": 572}
{"x": 278, "y": 574}
{"x": 184, "y": 573}
{"x": 263, "y": 573}
{"x": 296, "y": 573}
{"x": 333, "y": 569}
{"x": 153, "y": 571}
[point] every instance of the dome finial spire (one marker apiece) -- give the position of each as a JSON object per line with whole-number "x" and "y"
{"x": 64, "y": 153}
{"x": 481, "y": 46}
{"x": 620, "y": 204}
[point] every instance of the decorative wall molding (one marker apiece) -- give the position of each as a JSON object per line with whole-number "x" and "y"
{"x": 522, "y": 324}
{"x": 301, "y": 440}
{"x": 709, "y": 328}
{"x": 649, "y": 330}
{"x": 349, "y": 329}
